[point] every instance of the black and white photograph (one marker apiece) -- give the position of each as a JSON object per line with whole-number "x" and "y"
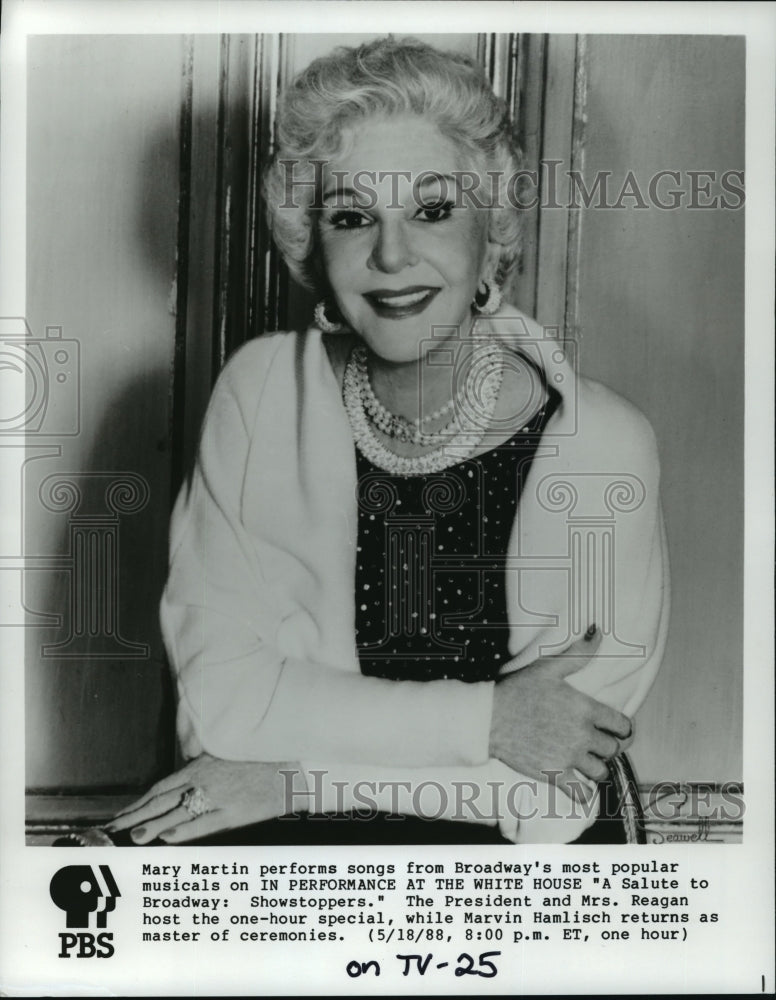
{"x": 387, "y": 464}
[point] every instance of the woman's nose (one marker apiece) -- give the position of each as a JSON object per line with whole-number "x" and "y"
{"x": 392, "y": 250}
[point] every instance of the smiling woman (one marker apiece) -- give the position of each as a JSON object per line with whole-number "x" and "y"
{"x": 368, "y": 610}
{"x": 410, "y": 263}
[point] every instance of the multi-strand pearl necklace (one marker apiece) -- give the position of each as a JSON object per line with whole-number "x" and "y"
{"x": 395, "y": 426}
{"x": 454, "y": 443}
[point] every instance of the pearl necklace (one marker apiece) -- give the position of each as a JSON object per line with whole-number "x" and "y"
{"x": 461, "y": 436}
{"x": 394, "y": 425}
{"x": 399, "y": 427}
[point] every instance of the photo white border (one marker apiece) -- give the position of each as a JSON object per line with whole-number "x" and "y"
{"x": 22, "y": 970}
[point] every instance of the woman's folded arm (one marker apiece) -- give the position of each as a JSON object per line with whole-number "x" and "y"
{"x": 260, "y": 706}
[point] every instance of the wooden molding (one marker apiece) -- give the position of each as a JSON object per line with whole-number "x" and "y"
{"x": 684, "y": 812}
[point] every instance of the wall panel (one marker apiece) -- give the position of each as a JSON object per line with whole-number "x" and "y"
{"x": 659, "y": 317}
{"x": 102, "y": 222}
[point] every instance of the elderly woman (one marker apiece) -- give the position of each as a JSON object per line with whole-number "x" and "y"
{"x": 375, "y": 594}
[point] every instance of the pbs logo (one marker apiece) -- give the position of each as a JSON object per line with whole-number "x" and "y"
{"x": 87, "y": 895}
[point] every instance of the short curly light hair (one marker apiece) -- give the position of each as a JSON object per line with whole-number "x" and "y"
{"x": 384, "y": 78}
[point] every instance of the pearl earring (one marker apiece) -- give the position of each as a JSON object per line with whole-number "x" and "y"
{"x": 488, "y": 301}
{"x": 323, "y": 322}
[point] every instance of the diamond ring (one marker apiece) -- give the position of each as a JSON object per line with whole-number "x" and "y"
{"x": 196, "y": 802}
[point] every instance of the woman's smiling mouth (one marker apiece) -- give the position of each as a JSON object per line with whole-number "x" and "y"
{"x": 396, "y": 304}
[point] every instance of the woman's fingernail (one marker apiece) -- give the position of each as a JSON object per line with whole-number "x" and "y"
{"x": 138, "y": 832}
{"x": 590, "y": 632}
{"x": 167, "y": 834}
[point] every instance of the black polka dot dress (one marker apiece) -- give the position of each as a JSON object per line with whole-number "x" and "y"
{"x": 430, "y": 566}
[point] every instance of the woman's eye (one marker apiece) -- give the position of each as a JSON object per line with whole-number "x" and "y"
{"x": 437, "y": 212}
{"x": 347, "y": 219}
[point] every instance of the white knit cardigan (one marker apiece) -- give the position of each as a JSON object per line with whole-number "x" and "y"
{"x": 258, "y": 612}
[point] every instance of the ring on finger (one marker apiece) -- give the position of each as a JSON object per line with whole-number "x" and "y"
{"x": 196, "y": 802}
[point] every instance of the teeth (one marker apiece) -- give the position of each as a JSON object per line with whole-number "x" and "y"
{"x": 403, "y": 300}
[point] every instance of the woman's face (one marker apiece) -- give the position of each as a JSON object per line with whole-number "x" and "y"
{"x": 400, "y": 256}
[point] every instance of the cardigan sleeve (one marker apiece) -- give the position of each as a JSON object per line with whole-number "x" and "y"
{"x": 628, "y": 590}
{"x": 239, "y": 697}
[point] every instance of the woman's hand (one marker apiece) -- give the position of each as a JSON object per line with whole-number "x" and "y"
{"x": 237, "y": 793}
{"x": 546, "y": 729}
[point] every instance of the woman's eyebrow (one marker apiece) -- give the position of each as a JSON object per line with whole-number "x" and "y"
{"x": 342, "y": 192}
